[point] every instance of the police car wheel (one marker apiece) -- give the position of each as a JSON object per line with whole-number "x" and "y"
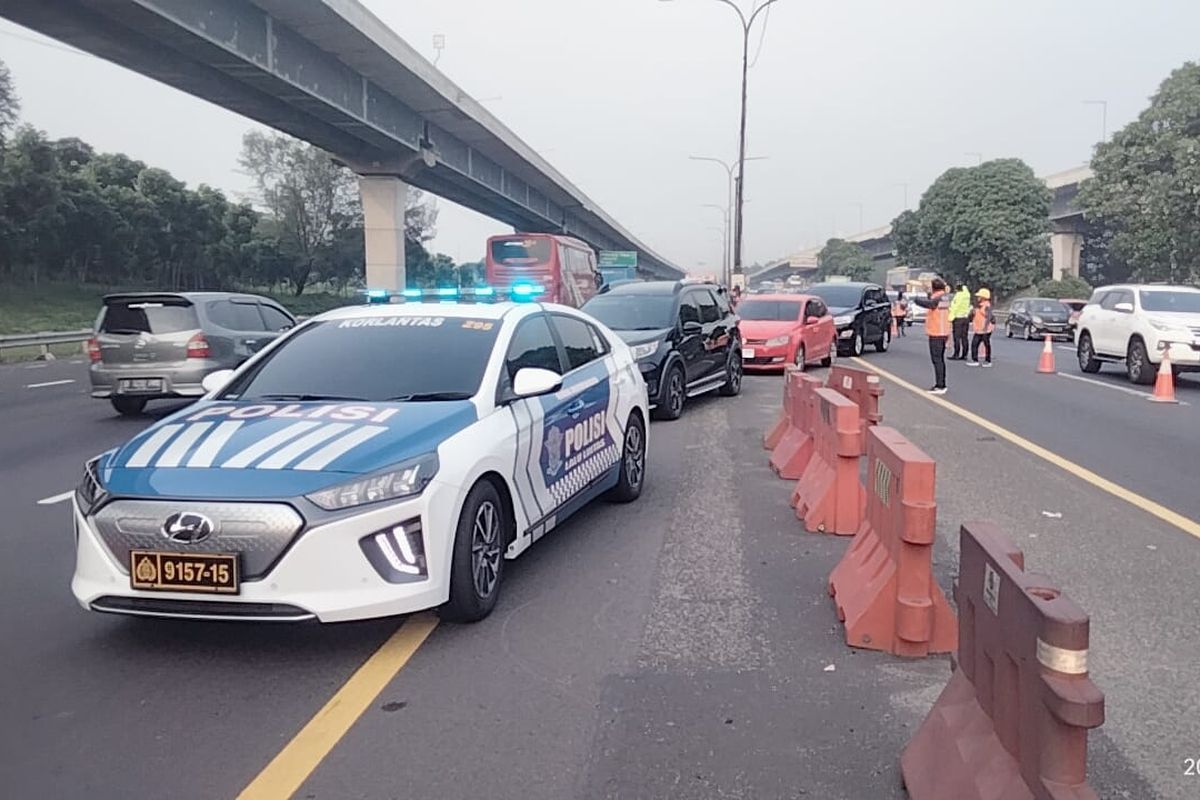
{"x": 633, "y": 463}
{"x": 674, "y": 393}
{"x": 478, "y": 566}
{"x": 129, "y": 406}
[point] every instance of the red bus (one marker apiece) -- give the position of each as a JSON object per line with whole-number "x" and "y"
{"x": 557, "y": 269}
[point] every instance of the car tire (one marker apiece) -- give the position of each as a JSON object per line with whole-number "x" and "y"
{"x": 1137, "y": 363}
{"x": 857, "y": 345}
{"x": 633, "y": 463}
{"x": 827, "y": 361}
{"x": 1008, "y": 330}
{"x": 1028, "y": 332}
{"x": 1087, "y": 354}
{"x": 801, "y": 360}
{"x": 477, "y": 568}
{"x": 733, "y": 372}
{"x": 128, "y": 406}
{"x": 674, "y": 394}
{"x": 884, "y": 342}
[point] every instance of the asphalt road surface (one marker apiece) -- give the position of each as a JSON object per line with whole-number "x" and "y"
{"x": 682, "y": 646}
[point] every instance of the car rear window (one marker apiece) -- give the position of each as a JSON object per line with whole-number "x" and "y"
{"x": 148, "y": 316}
{"x": 770, "y": 310}
{"x": 523, "y": 252}
{"x": 375, "y": 359}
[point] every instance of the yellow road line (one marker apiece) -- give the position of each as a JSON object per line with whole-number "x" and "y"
{"x": 297, "y": 760}
{"x": 1158, "y": 510}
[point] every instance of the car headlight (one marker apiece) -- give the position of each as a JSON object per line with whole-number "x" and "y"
{"x": 644, "y": 350}
{"x": 1160, "y": 325}
{"x": 90, "y": 491}
{"x": 403, "y": 480}
{"x": 845, "y": 319}
{"x": 1037, "y": 320}
{"x": 778, "y": 341}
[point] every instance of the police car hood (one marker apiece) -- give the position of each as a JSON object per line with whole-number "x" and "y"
{"x": 238, "y": 450}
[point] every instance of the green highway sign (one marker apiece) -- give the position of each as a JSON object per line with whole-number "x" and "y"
{"x": 618, "y": 258}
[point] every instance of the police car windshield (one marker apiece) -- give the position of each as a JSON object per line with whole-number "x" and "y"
{"x": 632, "y": 312}
{"x": 375, "y": 359}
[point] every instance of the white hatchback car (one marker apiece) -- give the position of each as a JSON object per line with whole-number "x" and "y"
{"x": 372, "y": 461}
{"x": 1136, "y": 324}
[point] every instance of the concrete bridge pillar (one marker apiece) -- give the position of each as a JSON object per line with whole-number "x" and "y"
{"x": 384, "y": 199}
{"x": 1066, "y": 249}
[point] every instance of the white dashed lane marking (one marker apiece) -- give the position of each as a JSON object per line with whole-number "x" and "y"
{"x": 49, "y": 383}
{"x": 53, "y": 499}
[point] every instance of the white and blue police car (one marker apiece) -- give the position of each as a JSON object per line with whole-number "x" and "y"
{"x": 375, "y": 460}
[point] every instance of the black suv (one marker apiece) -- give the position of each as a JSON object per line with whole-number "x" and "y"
{"x": 684, "y": 335}
{"x": 861, "y": 313}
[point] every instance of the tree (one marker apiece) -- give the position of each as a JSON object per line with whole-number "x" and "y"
{"x": 839, "y": 257}
{"x": 1069, "y": 287}
{"x": 984, "y": 225}
{"x": 1145, "y": 193}
{"x": 10, "y": 105}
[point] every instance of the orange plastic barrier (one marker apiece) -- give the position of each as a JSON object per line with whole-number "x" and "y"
{"x": 791, "y": 455}
{"x": 771, "y": 438}
{"x": 861, "y": 386}
{"x": 883, "y": 587}
{"x": 828, "y": 496}
{"x": 1013, "y": 721}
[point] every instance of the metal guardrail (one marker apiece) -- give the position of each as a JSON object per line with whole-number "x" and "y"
{"x": 43, "y": 340}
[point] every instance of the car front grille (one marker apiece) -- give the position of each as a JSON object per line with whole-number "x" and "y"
{"x": 258, "y": 532}
{"x": 201, "y": 609}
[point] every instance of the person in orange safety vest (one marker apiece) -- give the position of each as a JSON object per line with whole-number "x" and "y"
{"x": 937, "y": 328}
{"x": 983, "y": 322}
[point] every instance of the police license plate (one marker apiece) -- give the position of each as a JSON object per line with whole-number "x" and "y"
{"x": 747, "y": 352}
{"x": 208, "y": 573}
{"x": 137, "y": 385}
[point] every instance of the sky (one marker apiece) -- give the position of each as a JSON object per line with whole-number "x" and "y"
{"x": 853, "y": 104}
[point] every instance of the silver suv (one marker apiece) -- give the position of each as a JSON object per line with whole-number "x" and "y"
{"x": 152, "y": 345}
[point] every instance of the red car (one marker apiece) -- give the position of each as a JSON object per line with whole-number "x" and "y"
{"x": 782, "y": 329}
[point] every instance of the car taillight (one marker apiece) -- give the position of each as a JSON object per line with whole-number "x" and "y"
{"x": 197, "y": 347}
{"x": 93, "y": 349}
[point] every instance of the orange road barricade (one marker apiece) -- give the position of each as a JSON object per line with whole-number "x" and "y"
{"x": 883, "y": 587}
{"x": 1013, "y": 721}
{"x": 864, "y": 388}
{"x": 828, "y": 496}
{"x": 771, "y": 438}
{"x": 791, "y": 455}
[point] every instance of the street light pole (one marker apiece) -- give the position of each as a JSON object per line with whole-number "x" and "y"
{"x": 860, "y": 215}
{"x": 1104, "y": 115}
{"x": 729, "y": 173}
{"x": 725, "y": 278}
{"x": 978, "y": 156}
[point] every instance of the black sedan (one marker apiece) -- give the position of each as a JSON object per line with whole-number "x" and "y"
{"x": 1034, "y": 317}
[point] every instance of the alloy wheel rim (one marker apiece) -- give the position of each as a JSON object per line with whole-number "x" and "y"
{"x": 801, "y": 356}
{"x": 735, "y": 370}
{"x": 485, "y": 548}
{"x": 675, "y": 391}
{"x": 635, "y": 456}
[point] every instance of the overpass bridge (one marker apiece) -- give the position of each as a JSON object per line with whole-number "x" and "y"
{"x": 331, "y": 73}
{"x": 1066, "y": 237}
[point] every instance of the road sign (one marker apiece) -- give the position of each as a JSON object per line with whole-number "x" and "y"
{"x": 618, "y": 258}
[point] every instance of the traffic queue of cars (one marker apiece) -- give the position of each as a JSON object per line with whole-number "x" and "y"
{"x": 415, "y": 442}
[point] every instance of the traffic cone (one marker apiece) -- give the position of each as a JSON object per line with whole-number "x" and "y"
{"x": 1164, "y": 384}
{"x": 1046, "y": 362}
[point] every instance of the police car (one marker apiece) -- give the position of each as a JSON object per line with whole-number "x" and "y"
{"x": 375, "y": 460}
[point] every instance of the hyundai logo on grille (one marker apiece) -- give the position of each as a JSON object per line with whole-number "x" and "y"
{"x": 186, "y": 527}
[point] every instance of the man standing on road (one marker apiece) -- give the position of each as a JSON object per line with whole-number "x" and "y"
{"x": 960, "y": 312}
{"x": 982, "y": 325}
{"x": 937, "y": 328}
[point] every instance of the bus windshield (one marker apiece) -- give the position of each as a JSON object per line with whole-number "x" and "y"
{"x": 522, "y": 251}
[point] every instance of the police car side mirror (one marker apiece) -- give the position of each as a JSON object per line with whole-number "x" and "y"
{"x": 215, "y": 381}
{"x": 692, "y": 328}
{"x": 534, "y": 381}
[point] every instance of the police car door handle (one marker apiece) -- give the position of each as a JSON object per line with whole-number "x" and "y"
{"x": 576, "y": 407}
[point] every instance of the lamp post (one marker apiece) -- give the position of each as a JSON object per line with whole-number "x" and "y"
{"x": 1103, "y": 116}
{"x": 740, "y": 186}
{"x": 976, "y": 155}
{"x": 729, "y": 173}
{"x": 860, "y": 215}
{"x": 724, "y": 241}
{"x": 904, "y": 186}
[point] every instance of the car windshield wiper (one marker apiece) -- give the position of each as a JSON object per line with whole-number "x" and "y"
{"x": 123, "y": 331}
{"x": 419, "y": 397}
{"x": 305, "y": 397}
